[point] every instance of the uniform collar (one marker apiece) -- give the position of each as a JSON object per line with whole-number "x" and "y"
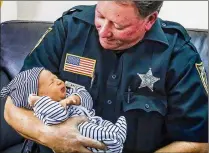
{"x": 156, "y": 33}
{"x": 87, "y": 14}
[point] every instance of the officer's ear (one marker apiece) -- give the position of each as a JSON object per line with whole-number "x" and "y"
{"x": 150, "y": 20}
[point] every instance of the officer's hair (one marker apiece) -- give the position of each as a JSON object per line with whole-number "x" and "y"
{"x": 144, "y": 8}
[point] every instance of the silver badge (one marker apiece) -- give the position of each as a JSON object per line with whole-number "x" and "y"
{"x": 148, "y": 80}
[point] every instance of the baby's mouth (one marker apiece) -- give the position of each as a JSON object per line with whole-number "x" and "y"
{"x": 63, "y": 89}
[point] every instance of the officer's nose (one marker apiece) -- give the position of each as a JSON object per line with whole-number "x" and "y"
{"x": 105, "y": 30}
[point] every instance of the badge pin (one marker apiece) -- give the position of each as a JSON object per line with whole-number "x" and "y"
{"x": 148, "y": 80}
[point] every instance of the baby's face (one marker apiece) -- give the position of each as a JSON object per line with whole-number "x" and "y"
{"x": 50, "y": 85}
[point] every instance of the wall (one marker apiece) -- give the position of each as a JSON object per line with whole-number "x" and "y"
{"x": 191, "y": 14}
{"x": 46, "y": 10}
{"x": 8, "y": 10}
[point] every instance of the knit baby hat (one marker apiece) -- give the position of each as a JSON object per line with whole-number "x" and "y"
{"x": 24, "y": 84}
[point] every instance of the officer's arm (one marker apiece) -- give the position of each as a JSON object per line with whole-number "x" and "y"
{"x": 187, "y": 116}
{"x": 184, "y": 147}
{"x": 63, "y": 137}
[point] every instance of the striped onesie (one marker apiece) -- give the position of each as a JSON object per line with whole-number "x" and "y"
{"x": 52, "y": 112}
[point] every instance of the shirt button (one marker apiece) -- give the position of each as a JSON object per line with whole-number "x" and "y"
{"x": 109, "y": 102}
{"x": 114, "y": 76}
{"x": 163, "y": 24}
{"x": 147, "y": 106}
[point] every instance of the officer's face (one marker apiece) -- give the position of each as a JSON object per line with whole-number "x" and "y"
{"x": 50, "y": 85}
{"x": 119, "y": 26}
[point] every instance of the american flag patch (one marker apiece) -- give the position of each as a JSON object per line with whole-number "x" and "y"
{"x": 79, "y": 65}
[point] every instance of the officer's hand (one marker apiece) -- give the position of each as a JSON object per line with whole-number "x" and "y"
{"x": 65, "y": 138}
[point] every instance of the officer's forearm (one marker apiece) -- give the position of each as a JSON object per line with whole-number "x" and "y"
{"x": 184, "y": 147}
{"x": 24, "y": 122}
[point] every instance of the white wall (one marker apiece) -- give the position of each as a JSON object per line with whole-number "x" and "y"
{"x": 8, "y": 10}
{"x": 191, "y": 14}
{"x": 46, "y": 10}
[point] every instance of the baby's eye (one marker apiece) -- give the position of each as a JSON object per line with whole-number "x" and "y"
{"x": 52, "y": 81}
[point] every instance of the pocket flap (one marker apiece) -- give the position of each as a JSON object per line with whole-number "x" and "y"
{"x": 147, "y": 104}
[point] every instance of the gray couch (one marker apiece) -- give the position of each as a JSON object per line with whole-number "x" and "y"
{"x": 18, "y": 38}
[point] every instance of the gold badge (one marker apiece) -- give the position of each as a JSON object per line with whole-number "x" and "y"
{"x": 40, "y": 40}
{"x": 203, "y": 76}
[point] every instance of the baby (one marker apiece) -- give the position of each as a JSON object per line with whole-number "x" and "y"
{"x": 39, "y": 90}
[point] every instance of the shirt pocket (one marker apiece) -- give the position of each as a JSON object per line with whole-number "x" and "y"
{"x": 144, "y": 103}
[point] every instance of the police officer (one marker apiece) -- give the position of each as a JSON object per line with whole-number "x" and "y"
{"x": 133, "y": 64}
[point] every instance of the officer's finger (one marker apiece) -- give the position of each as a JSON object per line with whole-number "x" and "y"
{"x": 88, "y": 142}
{"x": 78, "y": 119}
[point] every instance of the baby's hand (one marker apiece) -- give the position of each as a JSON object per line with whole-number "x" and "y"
{"x": 32, "y": 99}
{"x": 71, "y": 100}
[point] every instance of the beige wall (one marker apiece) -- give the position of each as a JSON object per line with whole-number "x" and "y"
{"x": 46, "y": 10}
{"x": 191, "y": 14}
{"x": 8, "y": 10}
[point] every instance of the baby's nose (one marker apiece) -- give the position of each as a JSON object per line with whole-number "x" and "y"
{"x": 59, "y": 81}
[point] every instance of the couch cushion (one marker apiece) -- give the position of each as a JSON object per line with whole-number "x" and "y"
{"x": 18, "y": 38}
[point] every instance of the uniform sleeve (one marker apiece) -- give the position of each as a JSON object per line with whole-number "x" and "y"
{"x": 187, "y": 116}
{"x": 47, "y": 52}
{"x": 49, "y": 111}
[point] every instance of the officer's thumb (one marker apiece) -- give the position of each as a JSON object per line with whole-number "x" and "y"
{"x": 78, "y": 119}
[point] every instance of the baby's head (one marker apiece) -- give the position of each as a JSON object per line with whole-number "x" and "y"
{"x": 50, "y": 85}
{"x": 34, "y": 81}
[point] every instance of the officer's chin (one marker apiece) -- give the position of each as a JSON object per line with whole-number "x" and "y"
{"x": 108, "y": 46}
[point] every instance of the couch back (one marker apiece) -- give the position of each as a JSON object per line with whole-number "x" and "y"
{"x": 19, "y": 37}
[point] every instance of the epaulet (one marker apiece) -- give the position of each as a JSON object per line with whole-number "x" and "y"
{"x": 175, "y": 26}
{"x": 74, "y": 9}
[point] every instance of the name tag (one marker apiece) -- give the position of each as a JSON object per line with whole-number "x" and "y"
{"x": 73, "y": 85}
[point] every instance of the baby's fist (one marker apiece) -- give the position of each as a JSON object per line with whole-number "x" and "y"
{"x": 32, "y": 99}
